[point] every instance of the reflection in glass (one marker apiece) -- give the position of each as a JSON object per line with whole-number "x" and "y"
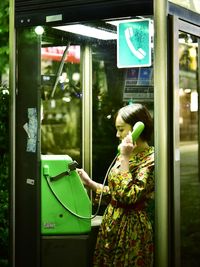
{"x": 189, "y": 162}
{"x": 61, "y": 94}
{"x": 112, "y": 88}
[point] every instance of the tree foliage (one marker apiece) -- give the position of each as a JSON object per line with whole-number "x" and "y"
{"x": 4, "y": 137}
{"x": 4, "y": 36}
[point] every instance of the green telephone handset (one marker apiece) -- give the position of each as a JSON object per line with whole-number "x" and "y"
{"x": 137, "y": 130}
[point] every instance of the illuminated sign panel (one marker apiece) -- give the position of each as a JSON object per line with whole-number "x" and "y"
{"x": 134, "y": 44}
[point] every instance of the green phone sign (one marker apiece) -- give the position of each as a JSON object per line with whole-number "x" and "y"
{"x": 134, "y": 44}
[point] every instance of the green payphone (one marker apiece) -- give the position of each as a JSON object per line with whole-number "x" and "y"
{"x": 65, "y": 204}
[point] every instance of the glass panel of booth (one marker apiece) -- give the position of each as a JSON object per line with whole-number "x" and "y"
{"x": 189, "y": 149}
{"x": 112, "y": 87}
{"x": 61, "y": 100}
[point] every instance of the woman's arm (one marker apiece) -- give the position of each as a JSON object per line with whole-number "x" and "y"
{"x": 133, "y": 187}
{"x": 98, "y": 188}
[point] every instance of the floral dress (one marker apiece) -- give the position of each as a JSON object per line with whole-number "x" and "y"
{"x": 125, "y": 236}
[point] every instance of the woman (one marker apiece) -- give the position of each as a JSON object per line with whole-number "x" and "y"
{"x": 125, "y": 236}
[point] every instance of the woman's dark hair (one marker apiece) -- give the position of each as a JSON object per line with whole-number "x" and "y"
{"x": 137, "y": 112}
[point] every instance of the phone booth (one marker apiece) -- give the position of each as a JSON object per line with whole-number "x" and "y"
{"x": 74, "y": 64}
{"x": 70, "y": 79}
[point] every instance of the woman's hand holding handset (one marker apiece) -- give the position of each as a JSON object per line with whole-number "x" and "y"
{"x": 126, "y": 148}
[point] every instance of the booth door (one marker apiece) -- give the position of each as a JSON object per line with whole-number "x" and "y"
{"x": 186, "y": 144}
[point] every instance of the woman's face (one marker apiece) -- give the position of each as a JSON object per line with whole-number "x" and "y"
{"x": 122, "y": 127}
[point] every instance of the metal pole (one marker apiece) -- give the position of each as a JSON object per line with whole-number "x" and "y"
{"x": 87, "y": 107}
{"x": 161, "y": 133}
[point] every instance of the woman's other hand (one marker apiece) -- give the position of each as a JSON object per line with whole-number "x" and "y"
{"x": 84, "y": 176}
{"x": 87, "y": 181}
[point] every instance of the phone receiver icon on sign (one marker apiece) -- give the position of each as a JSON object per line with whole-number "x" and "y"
{"x": 139, "y": 53}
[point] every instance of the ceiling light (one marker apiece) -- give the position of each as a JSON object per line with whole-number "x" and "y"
{"x": 88, "y": 31}
{"x": 39, "y": 30}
